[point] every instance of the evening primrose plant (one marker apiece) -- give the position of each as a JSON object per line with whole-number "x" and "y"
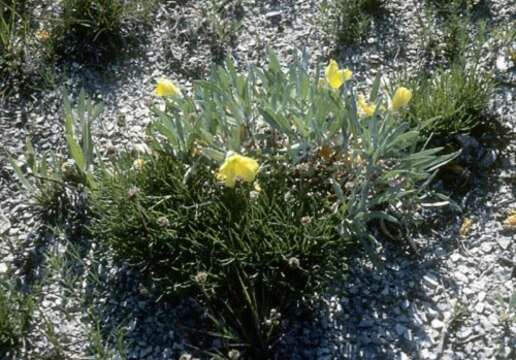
{"x": 255, "y": 186}
{"x": 295, "y": 116}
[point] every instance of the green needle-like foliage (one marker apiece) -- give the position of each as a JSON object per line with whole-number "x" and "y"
{"x": 242, "y": 253}
{"x": 15, "y": 314}
{"x": 450, "y": 101}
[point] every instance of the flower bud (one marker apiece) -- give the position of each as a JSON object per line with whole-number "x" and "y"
{"x": 401, "y": 98}
{"x": 163, "y": 222}
{"x": 305, "y": 220}
{"x": 234, "y": 354}
{"x": 294, "y": 263}
{"x": 132, "y": 192}
{"x": 201, "y": 277}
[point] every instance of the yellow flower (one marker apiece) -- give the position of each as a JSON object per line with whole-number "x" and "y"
{"x": 165, "y": 87}
{"x": 42, "y": 35}
{"x": 237, "y": 167}
{"x": 138, "y": 164}
{"x": 401, "y": 98}
{"x": 465, "y": 228}
{"x": 367, "y": 109}
{"x": 510, "y": 221}
{"x": 336, "y": 77}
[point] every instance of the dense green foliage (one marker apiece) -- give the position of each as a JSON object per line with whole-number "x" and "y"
{"x": 14, "y": 28}
{"x": 15, "y": 313}
{"x": 450, "y": 101}
{"x": 248, "y": 254}
{"x": 243, "y": 252}
{"x": 48, "y": 179}
{"x": 372, "y": 163}
{"x": 249, "y": 251}
{"x": 350, "y": 20}
{"x": 97, "y": 29}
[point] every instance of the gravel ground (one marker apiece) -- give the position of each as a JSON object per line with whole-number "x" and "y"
{"x": 445, "y": 302}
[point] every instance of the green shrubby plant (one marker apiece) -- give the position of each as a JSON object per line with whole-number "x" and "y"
{"x": 14, "y": 30}
{"x": 349, "y": 21}
{"x": 253, "y": 187}
{"x": 26, "y": 53}
{"x": 290, "y": 114}
{"x": 224, "y": 24}
{"x": 48, "y": 178}
{"x": 450, "y": 101}
{"x": 15, "y": 314}
{"x": 330, "y": 166}
{"x": 246, "y": 253}
{"x": 455, "y": 34}
{"x": 97, "y": 28}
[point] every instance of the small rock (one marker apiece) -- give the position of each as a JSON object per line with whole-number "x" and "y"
{"x": 486, "y": 247}
{"x": 461, "y": 277}
{"x": 274, "y": 16}
{"x": 504, "y": 241}
{"x": 479, "y": 307}
{"x": 145, "y": 352}
{"x": 464, "y": 333}
{"x": 488, "y": 159}
{"x": 437, "y": 324}
{"x": 431, "y": 280}
{"x": 400, "y": 329}
{"x": 455, "y": 257}
{"x": 5, "y": 224}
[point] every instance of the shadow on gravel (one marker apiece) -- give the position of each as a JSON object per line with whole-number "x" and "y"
{"x": 373, "y": 314}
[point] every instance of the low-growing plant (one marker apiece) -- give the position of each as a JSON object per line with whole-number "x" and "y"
{"x": 454, "y": 33}
{"x": 48, "y": 178}
{"x": 349, "y": 21}
{"x": 14, "y": 29}
{"x": 15, "y": 314}
{"x": 331, "y": 166}
{"x": 97, "y": 29}
{"x": 248, "y": 253}
{"x": 449, "y": 8}
{"x": 224, "y": 22}
{"x": 450, "y": 101}
{"x": 251, "y": 237}
{"x": 290, "y": 113}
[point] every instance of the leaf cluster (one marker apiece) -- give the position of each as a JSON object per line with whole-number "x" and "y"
{"x": 48, "y": 178}
{"x": 15, "y": 314}
{"x": 450, "y": 101}
{"x": 372, "y": 163}
{"x": 14, "y": 34}
{"x": 242, "y": 255}
{"x": 349, "y": 21}
{"x": 97, "y": 29}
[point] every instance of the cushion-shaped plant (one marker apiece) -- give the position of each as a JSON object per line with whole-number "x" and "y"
{"x": 247, "y": 251}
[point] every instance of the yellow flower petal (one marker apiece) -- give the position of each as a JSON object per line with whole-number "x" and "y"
{"x": 138, "y": 164}
{"x": 465, "y": 228}
{"x": 510, "y": 221}
{"x": 166, "y": 87}
{"x": 42, "y": 35}
{"x": 336, "y": 77}
{"x": 365, "y": 108}
{"x": 346, "y": 74}
{"x": 401, "y": 98}
{"x": 237, "y": 167}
